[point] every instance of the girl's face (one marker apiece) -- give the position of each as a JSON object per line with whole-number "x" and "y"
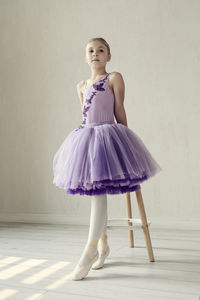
{"x": 97, "y": 54}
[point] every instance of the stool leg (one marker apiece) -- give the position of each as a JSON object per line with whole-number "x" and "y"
{"x": 129, "y": 215}
{"x": 144, "y": 224}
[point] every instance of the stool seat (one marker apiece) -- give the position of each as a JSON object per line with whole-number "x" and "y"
{"x": 134, "y": 223}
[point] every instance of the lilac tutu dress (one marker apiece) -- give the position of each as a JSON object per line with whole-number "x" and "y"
{"x": 101, "y": 156}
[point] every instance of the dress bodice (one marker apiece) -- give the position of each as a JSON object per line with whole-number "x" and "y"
{"x": 98, "y": 102}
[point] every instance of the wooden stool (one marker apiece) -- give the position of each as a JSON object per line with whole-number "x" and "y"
{"x": 143, "y": 222}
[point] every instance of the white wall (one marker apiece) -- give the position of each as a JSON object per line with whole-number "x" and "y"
{"x": 154, "y": 45}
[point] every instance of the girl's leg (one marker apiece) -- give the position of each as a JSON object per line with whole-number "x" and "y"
{"x": 103, "y": 248}
{"x": 104, "y": 232}
{"x": 102, "y": 244}
{"x": 98, "y": 218}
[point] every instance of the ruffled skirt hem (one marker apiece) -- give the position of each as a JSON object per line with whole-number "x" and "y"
{"x": 120, "y": 186}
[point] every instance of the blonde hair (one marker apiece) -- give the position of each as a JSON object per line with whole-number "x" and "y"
{"x": 102, "y": 41}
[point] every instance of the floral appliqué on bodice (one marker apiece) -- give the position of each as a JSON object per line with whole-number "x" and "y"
{"x": 97, "y": 87}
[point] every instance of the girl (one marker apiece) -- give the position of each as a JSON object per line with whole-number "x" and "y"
{"x": 101, "y": 156}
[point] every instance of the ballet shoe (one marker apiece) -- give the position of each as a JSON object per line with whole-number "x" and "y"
{"x": 100, "y": 261}
{"x": 81, "y": 271}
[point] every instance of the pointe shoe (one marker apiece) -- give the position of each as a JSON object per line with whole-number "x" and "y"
{"x": 81, "y": 271}
{"x": 100, "y": 262}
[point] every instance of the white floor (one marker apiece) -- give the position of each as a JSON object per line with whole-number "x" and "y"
{"x": 35, "y": 260}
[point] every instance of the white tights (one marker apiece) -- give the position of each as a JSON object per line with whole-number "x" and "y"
{"x": 98, "y": 223}
{"x": 98, "y": 216}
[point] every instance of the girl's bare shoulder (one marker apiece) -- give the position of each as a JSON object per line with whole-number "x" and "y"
{"x": 115, "y": 78}
{"x": 115, "y": 75}
{"x": 80, "y": 85}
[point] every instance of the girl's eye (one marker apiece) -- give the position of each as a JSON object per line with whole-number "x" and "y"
{"x": 100, "y": 50}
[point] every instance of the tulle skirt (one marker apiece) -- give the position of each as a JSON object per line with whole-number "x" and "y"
{"x": 102, "y": 158}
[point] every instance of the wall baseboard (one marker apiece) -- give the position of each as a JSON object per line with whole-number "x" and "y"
{"x": 156, "y": 223}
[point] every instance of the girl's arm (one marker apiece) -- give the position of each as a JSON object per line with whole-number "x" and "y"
{"x": 79, "y": 87}
{"x": 118, "y": 86}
